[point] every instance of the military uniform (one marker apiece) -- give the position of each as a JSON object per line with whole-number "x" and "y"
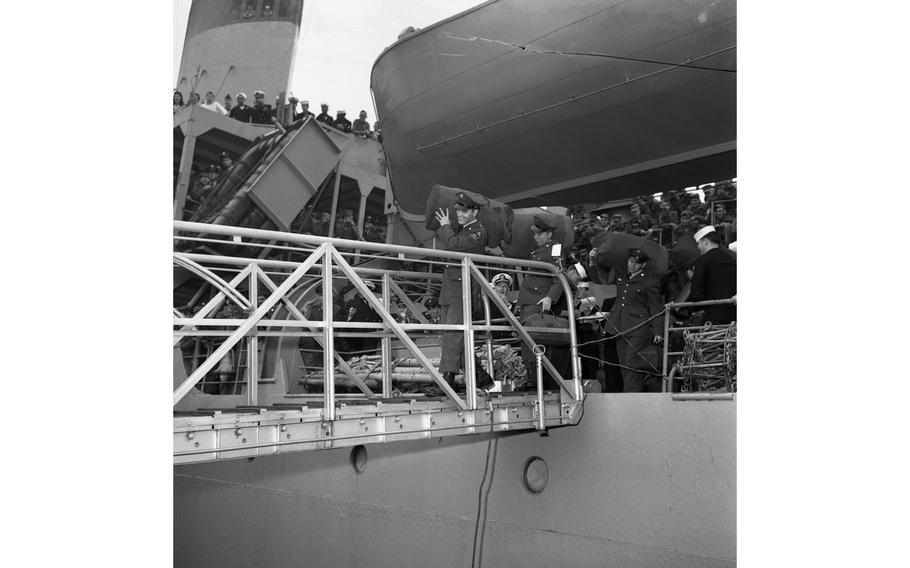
{"x": 261, "y": 113}
{"x": 637, "y": 299}
{"x": 536, "y": 287}
{"x": 342, "y": 123}
{"x": 471, "y": 238}
{"x": 243, "y": 113}
{"x": 326, "y": 118}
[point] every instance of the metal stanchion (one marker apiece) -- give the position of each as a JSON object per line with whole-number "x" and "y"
{"x": 541, "y": 424}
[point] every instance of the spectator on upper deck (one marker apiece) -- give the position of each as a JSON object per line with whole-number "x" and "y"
{"x": 616, "y": 224}
{"x": 178, "y": 101}
{"x": 262, "y": 113}
{"x": 643, "y": 221}
{"x": 194, "y": 98}
{"x": 361, "y": 127}
{"x": 267, "y": 12}
{"x": 241, "y": 111}
{"x": 345, "y": 228}
{"x": 304, "y": 111}
{"x": 324, "y": 116}
{"x": 228, "y": 104}
{"x": 248, "y": 11}
{"x": 213, "y": 105}
{"x": 696, "y": 207}
{"x": 321, "y": 223}
{"x": 714, "y": 277}
{"x": 342, "y": 123}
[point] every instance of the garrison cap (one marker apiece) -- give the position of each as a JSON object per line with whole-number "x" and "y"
{"x": 541, "y": 225}
{"x": 638, "y": 255}
{"x": 464, "y": 202}
{"x": 347, "y": 212}
{"x": 259, "y": 94}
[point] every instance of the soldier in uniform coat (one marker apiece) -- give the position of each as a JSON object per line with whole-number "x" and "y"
{"x": 261, "y": 113}
{"x": 539, "y": 293}
{"x": 637, "y": 300}
{"x": 469, "y": 237}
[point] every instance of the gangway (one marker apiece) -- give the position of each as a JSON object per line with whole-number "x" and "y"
{"x": 261, "y": 307}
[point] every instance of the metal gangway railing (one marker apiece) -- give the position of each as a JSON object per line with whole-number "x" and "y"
{"x": 272, "y": 280}
{"x": 706, "y": 366}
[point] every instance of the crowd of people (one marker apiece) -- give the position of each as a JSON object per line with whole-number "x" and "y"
{"x": 263, "y": 113}
{"x": 675, "y": 214}
{"x": 318, "y": 223}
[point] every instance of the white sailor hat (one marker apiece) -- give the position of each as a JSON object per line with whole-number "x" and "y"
{"x": 703, "y": 232}
{"x": 241, "y": 95}
{"x": 732, "y": 246}
{"x": 342, "y": 112}
{"x": 580, "y": 270}
{"x": 304, "y": 102}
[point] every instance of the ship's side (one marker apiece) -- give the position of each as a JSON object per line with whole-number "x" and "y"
{"x": 555, "y": 103}
{"x": 642, "y": 481}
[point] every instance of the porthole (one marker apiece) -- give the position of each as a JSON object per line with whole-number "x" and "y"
{"x": 359, "y": 459}
{"x": 535, "y": 474}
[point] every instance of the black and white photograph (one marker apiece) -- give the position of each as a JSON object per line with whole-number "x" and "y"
{"x": 434, "y": 296}
{"x": 455, "y": 284}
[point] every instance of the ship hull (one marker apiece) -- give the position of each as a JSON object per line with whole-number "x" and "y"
{"x": 642, "y": 481}
{"x": 553, "y": 103}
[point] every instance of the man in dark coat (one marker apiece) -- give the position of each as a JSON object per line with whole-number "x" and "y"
{"x": 538, "y": 293}
{"x": 261, "y": 113}
{"x": 714, "y": 277}
{"x": 304, "y": 112}
{"x": 470, "y": 237}
{"x": 241, "y": 111}
{"x": 342, "y": 123}
{"x": 638, "y": 328}
{"x": 324, "y": 116}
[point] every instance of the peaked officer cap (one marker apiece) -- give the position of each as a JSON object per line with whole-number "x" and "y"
{"x": 541, "y": 225}
{"x": 464, "y": 202}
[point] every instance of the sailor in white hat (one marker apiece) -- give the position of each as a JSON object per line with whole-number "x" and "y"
{"x": 714, "y": 276}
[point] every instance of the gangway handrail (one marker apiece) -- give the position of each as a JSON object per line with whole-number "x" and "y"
{"x": 314, "y": 240}
{"x": 328, "y": 254}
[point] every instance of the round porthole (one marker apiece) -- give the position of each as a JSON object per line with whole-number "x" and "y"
{"x": 359, "y": 459}
{"x": 535, "y": 474}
